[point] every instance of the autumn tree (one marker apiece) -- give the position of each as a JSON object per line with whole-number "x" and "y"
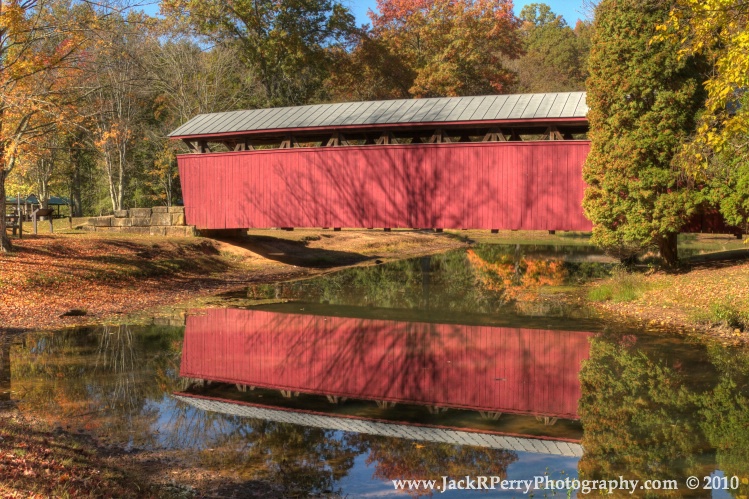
{"x": 43, "y": 164}
{"x": 717, "y": 154}
{"x": 38, "y": 41}
{"x": 191, "y": 80}
{"x": 454, "y": 47}
{"x": 555, "y": 55}
{"x": 370, "y": 71}
{"x": 79, "y": 172}
{"x": 185, "y": 80}
{"x": 643, "y": 99}
{"x": 287, "y": 42}
{"x": 117, "y": 100}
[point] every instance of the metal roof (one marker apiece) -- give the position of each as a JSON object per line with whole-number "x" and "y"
{"x": 559, "y": 105}
{"x": 536, "y": 445}
{"x": 53, "y": 201}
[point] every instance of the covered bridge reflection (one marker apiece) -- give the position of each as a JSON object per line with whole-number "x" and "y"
{"x": 385, "y": 429}
{"x": 486, "y": 162}
{"x": 481, "y": 368}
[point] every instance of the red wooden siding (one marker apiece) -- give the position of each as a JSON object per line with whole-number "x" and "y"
{"x": 474, "y": 367}
{"x": 505, "y": 185}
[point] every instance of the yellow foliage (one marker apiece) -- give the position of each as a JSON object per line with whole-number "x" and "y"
{"x": 718, "y": 29}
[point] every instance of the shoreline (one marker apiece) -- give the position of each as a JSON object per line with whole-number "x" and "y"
{"x": 99, "y": 280}
{"x": 117, "y": 279}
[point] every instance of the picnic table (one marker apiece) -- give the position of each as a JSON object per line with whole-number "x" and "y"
{"x": 15, "y": 221}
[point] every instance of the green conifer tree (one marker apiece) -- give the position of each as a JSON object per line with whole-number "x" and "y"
{"x": 643, "y": 99}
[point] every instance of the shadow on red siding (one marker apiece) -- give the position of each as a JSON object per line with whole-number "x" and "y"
{"x": 473, "y": 367}
{"x": 506, "y": 185}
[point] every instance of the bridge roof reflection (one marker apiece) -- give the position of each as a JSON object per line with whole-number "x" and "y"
{"x": 421, "y": 433}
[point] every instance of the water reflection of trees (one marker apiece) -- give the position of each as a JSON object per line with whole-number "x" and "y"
{"x": 478, "y": 280}
{"x": 108, "y": 376}
{"x": 656, "y": 411}
{"x": 516, "y": 277}
{"x": 395, "y": 459}
{"x": 303, "y": 460}
{"x": 725, "y": 413}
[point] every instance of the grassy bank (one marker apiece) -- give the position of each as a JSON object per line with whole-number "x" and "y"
{"x": 710, "y": 297}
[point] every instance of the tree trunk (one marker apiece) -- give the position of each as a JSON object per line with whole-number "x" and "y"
{"x": 667, "y": 244}
{"x": 5, "y": 379}
{"x": 76, "y": 210}
{"x": 5, "y": 245}
{"x": 110, "y": 178}
{"x": 44, "y": 188}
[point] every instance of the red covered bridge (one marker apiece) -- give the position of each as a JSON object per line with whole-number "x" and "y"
{"x": 487, "y": 162}
{"x": 482, "y": 368}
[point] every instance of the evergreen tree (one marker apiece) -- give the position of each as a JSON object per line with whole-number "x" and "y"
{"x": 643, "y": 99}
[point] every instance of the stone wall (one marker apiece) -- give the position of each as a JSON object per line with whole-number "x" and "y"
{"x": 156, "y": 221}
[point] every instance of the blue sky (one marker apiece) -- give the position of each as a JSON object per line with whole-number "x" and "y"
{"x": 571, "y": 10}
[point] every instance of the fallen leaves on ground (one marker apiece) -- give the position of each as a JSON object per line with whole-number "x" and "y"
{"x": 108, "y": 277}
{"x": 35, "y": 462}
{"x": 684, "y": 300}
{"x": 47, "y": 276}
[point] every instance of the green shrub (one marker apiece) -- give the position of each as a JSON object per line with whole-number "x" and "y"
{"x": 727, "y": 314}
{"x": 622, "y": 286}
{"x": 601, "y": 293}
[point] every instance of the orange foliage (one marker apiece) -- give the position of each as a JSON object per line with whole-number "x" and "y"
{"x": 519, "y": 279}
{"x": 40, "y": 41}
{"x": 455, "y": 47}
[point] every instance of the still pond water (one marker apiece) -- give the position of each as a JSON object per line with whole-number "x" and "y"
{"x": 465, "y": 363}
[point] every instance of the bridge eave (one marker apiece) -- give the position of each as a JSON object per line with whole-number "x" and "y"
{"x": 579, "y": 121}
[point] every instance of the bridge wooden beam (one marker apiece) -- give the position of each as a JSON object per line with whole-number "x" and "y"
{"x": 433, "y": 409}
{"x": 439, "y": 137}
{"x": 494, "y": 135}
{"x": 336, "y": 140}
{"x": 386, "y": 138}
{"x": 243, "y": 145}
{"x": 552, "y": 133}
{"x": 197, "y": 146}
{"x": 289, "y": 142}
{"x": 547, "y": 420}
